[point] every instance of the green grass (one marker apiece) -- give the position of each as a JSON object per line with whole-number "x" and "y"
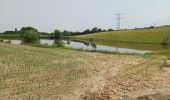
{"x": 18, "y": 36}
{"x": 145, "y": 36}
{"x": 56, "y": 45}
{"x": 10, "y": 36}
{"x": 141, "y": 39}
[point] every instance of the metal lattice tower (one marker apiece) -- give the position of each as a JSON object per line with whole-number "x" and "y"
{"x": 118, "y": 21}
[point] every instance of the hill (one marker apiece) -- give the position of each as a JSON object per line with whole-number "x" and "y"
{"x": 141, "y": 39}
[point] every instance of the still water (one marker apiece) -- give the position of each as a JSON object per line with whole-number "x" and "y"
{"x": 85, "y": 46}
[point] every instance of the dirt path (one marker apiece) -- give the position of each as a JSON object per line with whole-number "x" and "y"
{"x": 97, "y": 83}
{"x": 143, "y": 80}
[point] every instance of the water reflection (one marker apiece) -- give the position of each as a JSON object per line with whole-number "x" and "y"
{"x": 46, "y": 41}
{"x": 165, "y": 46}
{"x": 93, "y": 45}
{"x": 15, "y": 42}
{"x": 68, "y": 42}
{"x": 86, "y": 46}
{"x": 165, "y": 43}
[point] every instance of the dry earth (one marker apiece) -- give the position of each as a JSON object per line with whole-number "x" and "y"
{"x": 143, "y": 79}
{"x": 31, "y": 73}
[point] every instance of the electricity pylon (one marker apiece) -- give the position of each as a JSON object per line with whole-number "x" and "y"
{"x": 118, "y": 20}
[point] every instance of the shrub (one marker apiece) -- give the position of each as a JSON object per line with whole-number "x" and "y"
{"x": 30, "y": 36}
{"x": 59, "y": 43}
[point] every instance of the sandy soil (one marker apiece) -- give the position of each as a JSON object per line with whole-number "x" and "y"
{"x": 146, "y": 80}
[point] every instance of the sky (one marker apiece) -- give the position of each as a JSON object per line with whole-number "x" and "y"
{"x": 78, "y": 15}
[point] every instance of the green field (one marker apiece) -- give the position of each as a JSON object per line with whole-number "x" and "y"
{"x": 128, "y": 37}
{"x": 18, "y": 36}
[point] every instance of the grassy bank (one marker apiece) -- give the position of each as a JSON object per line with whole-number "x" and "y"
{"x": 147, "y": 36}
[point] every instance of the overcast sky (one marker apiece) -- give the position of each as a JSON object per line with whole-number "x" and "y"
{"x": 78, "y": 15}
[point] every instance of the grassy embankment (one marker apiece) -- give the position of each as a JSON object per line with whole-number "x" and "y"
{"x": 141, "y": 39}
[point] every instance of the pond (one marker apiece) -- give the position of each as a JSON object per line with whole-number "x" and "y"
{"x": 86, "y": 46}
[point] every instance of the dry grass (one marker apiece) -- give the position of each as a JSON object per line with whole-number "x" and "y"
{"x": 37, "y": 73}
{"x": 33, "y": 73}
{"x": 139, "y": 79}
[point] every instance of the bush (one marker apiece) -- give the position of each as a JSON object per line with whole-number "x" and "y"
{"x": 30, "y": 36}
{"x": 59, "y": 43}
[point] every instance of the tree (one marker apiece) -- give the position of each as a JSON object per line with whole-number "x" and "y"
{"x": 30, "y": 36}
{"x": 28, "y": 28}
{"x": 66, "y": 33}
{"x": 104, "y": 30}
{"x": 99, "y": 30}
{"x": 86, "y": 31}
{"x": 151, "y": 27}
{"x": 94, "y": 30}
{"x": 58, "y": 35}
{"x": 15, "y": 29}
{"x": 110, "y": 29}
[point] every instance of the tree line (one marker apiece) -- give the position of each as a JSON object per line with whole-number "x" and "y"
{"x": 65, "y": 32}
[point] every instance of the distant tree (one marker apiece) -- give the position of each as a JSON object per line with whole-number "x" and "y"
{"x": 66, "y": 33}
{"x": 15, "y": 29}
{"x": 104, "y": 30}
{"x": 87, "y": 31}
{"x": 151, "y": 27}
{"x": 58, "y": 35}
{"x": 110, "y": 29}
{"x": 44, "y": 33}
{"x": 94, "y": 30}
{"x": 28, "y": 28}
{"x": 77, "y": 33}
{"x": 99, "y": 30}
